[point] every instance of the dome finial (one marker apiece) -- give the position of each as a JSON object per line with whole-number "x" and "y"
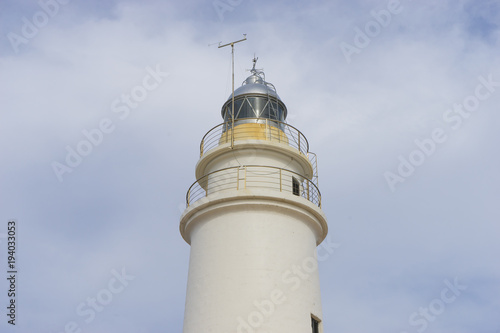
{"x": 257, "y": 72}
{"x": 253, "y": 70}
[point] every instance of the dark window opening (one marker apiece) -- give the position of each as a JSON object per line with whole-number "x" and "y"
{"x": 314, "y": 325}
{"x": 295, "y": 186}
{"x": 245, "y": 111}
{"x": 254, "y": 107}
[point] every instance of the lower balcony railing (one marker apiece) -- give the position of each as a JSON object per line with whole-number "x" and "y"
{"x": 253, "y": 177}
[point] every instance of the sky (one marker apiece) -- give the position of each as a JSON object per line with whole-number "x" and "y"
{"x": 105, "y": 103}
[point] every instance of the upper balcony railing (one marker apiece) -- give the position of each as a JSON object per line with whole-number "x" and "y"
{"x": 254, "y": 129}
{"x": 253, "y": 177}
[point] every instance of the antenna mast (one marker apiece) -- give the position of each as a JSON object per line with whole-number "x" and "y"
{"x": 232, "y": 103}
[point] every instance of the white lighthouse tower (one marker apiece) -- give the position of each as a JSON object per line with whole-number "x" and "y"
{"x": 253, "y": 220}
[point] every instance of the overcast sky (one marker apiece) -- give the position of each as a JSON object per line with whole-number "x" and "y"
{"x": 400, "y": 101}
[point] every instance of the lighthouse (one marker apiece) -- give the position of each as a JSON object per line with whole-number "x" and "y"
{"x": 253, "y": 220}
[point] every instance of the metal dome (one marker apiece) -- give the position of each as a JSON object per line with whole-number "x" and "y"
{"x": 255, "y": 84}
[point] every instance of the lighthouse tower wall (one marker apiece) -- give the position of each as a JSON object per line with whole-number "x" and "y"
{"x": 252, "y": 266}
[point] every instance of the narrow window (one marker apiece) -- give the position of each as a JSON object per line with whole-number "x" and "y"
{"x": 314, "y": 324}
{"x": 295, "y": 186}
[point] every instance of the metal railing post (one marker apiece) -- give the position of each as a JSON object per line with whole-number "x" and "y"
{"x": 298, "y": 134}
{"x": 280, "y": 181}
{"x": 268, "y": 136}
{"x": 237, "y": 178}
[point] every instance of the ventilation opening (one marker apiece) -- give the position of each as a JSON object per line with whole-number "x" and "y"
{"x": 295, "y": 186}
{"x": 315, "y": 322}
